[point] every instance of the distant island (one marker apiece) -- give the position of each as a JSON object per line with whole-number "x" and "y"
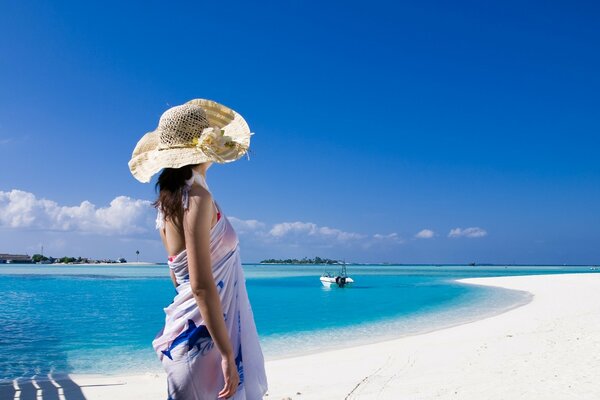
{"x": 41, "y": 259}
{"x": 316, "y": 260}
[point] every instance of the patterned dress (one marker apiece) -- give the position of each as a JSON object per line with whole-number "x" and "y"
{"x": 184, "y": 345}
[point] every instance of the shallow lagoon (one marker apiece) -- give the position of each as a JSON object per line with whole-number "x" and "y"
{"x": 102, "y": 319}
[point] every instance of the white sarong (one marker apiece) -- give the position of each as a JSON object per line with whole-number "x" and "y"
{"x": 184, "y": 345}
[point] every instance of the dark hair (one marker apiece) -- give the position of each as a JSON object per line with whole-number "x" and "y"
{"x": 170, "y": 191}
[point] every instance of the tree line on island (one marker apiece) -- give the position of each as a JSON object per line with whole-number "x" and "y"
{"x": 305, "y": 260}
{"x": 41, "y": 259}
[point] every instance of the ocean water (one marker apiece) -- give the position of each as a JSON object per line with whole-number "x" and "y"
{"x": 102, "y": 319}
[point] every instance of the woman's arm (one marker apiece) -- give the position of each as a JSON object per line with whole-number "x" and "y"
{"x": 196, "y": 222}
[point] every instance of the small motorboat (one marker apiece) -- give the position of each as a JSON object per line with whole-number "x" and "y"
{"x": 340, "y": 280}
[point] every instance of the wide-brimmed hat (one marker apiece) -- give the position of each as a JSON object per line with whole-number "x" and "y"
{"x": 192, "y": 133}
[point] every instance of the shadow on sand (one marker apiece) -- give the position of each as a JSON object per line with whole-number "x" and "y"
{"x": 46, "y": 387}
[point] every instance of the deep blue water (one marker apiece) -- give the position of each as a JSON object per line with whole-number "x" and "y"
{"x": 89, "y": 319}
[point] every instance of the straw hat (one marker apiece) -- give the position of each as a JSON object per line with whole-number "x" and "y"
{"x": 195, "y": 132}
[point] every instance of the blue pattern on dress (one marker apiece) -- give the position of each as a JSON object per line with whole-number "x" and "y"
{"x": 195, "y": 336}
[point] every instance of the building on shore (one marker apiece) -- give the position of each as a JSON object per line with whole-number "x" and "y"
{"x": 14, "y": 258}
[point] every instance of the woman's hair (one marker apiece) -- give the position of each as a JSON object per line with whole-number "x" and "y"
{"x": 170, "y": 191}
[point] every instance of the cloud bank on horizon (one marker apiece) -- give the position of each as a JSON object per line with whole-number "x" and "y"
{"x": 123, "y": 216}
{"x": 126, "y": 220}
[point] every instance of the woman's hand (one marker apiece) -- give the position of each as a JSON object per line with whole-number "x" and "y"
{"x": 232, "y": 378}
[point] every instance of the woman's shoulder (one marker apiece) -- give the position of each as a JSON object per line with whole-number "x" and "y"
{"x": 199, "y": 191}
{"x": 199, "y": 197}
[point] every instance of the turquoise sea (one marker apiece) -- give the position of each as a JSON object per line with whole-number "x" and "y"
{"x": 102, "y": 319}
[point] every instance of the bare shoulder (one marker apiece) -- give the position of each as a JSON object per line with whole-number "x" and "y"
{"x": 200, "y": 202}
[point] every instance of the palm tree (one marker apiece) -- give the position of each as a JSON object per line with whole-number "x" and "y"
{"x": 137, "y": 253}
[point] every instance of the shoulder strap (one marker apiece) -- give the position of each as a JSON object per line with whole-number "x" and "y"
{"x": 199, "y": 179}
{"x": 185, "y": 196}
{"x": 160, "y": 219}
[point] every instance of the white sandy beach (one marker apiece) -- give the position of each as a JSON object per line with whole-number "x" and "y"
{"x": 546, "y": 349}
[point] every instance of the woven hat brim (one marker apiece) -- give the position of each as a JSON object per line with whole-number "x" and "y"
{"x": 147, "y": 159}
{"x": 230, "y": 121}
{"x": 147, "y": 163}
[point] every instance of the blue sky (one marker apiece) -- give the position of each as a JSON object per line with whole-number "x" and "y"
{"x": 374, "y": 122}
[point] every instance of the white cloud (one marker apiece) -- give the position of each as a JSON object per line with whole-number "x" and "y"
{"x": 300, "y": 233}
{"x": 390, "y": 238}
{"x": 286, "y": 229}
{"x": 246, "y": 225}
{"x": 425, "y": 234}
{"x": 473, "y": 232}
{"x": 124, "y": 215}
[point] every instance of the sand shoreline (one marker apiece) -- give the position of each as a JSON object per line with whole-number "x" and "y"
{"x": 547, "y": 348}
{"x": 383, "y": 339}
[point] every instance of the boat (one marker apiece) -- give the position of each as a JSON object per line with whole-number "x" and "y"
{"x": 340, "y": 280}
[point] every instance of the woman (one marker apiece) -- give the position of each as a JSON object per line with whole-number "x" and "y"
{"x": 208, "y": 346}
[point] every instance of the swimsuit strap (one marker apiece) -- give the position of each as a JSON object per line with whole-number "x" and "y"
{"x": 199, "y": 179}
{"x": 160, "y": 218}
